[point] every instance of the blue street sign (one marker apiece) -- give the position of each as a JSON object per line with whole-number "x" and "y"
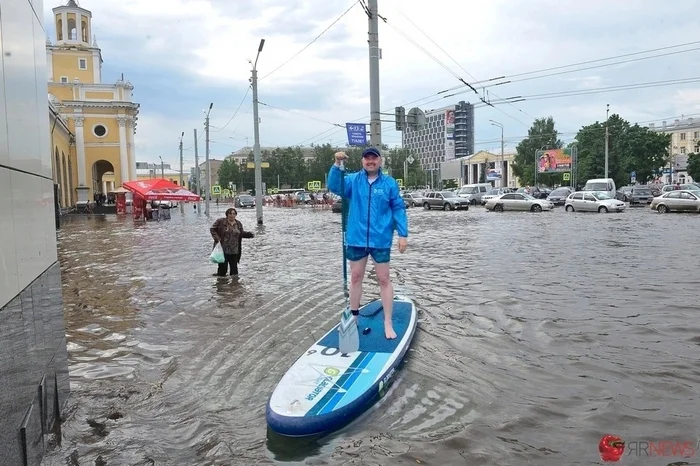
{"x": 357, "y": 134}
{"x": 633, "y": 174}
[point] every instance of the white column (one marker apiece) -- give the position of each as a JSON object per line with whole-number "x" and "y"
{"x": 104, "y": 187}
{"x": 123, "y": 155}
{"x": 96, "y": 67}
{"x": 64, "y": 20}
{"x": 49, "y": 62}
{"x": 79, "y": 27}
{"x": 132, "y": 148}
{"x": 80, "y": 150}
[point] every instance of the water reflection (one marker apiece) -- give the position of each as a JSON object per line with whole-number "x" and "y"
{"x": 537, "y": 334}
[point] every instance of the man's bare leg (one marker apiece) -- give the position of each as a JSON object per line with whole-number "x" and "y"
{"x": 386, "y": 292}
{"x": 357, "y": 275}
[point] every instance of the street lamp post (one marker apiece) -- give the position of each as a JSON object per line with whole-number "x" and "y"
{"x": 256, "y": 131}
{"x": 495, "y": 123}
{"x": 207, "y": 193}
{"x": 162, "y": 167}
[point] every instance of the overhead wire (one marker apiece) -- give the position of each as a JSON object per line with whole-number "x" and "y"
{"x": 312, "y": 41}
{"x": 493, "y": 81}
{"x": 476, "y": 82}
{"x": 234, "y": 113}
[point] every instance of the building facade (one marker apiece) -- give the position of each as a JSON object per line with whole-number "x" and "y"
{"x": 448, "y": 134}
{"x": 101, "y": 117}
{"x": 685, "y": 140}
{"x": 34, "y": 383}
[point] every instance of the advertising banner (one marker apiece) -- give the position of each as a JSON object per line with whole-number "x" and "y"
{"x": 492, "y": 174}
{"x": 554, "y": 161}
{"x": 449, "y": 135}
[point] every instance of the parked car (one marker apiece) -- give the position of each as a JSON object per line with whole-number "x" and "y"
{"x": 245, "y": 200}
{"x": 593, "y": 201}
{"x": 517, "y": 201}
{"x": 640, "y": 195}
{"x": 413, "y": 199}
{"x": 493, "y": 193}
{"x": 559, "y": 195}
{"x": 473, "y": 192}
{"x": 446, "y": 200}
{"x": 677, "y": 200}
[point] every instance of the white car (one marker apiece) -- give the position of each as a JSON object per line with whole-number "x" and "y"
{"x": 593, "y": 201}
{"x": 517, "y": 201}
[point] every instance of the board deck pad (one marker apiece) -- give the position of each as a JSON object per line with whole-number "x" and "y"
{"x": 376, "y": 341}
{"x": 325, "y": 389}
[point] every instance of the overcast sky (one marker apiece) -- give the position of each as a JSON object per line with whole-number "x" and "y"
{"x": 183, "y": 54}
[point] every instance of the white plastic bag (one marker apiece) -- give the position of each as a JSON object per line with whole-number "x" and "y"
{"x": 217, "y": 254}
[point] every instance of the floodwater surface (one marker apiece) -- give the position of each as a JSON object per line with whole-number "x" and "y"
{"x": 538, "y": 333}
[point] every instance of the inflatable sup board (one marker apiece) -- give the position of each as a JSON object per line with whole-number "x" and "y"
{"x": 325, "y": 390}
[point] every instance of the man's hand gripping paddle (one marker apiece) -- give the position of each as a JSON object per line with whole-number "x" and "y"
{"x": 348, "y": 337}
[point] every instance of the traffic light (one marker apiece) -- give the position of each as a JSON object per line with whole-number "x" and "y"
{"x": 400, "y": 115}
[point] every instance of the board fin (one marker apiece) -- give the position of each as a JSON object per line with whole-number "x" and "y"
{"x": 348, "y": 336}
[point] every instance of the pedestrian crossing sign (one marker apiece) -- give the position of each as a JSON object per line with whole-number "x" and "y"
{"x": 216, "y": 190}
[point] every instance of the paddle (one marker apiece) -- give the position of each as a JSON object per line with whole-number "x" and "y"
{"x": 348, "y": 337}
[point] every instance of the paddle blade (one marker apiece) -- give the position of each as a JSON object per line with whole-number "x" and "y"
{"x": 348, "y": 337}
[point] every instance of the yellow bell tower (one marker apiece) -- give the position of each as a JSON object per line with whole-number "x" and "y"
{"x": 73, "y": 58}
{"x": 101, "y": 116}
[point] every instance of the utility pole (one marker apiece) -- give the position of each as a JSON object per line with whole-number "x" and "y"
{"x": 607, "y": 112}
{"x": 196, "y": 168}
{"x": 375, "y": 124}
{"x": 162, "y": 168}
{"x": 256, "y": 144}
{"x": 206, "y": 156}
{"x": 495, "y": 123}
{"x": 182, "y": 180}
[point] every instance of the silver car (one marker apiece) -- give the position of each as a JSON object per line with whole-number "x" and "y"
{"x": 593, "y": 201}
{"x": 446, "y": 200}
{"x": 517, "y": 201}
{"x": 677, "y": 200}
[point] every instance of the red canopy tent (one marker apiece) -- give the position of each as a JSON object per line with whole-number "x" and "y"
{"x": 156, "y": 190}
{"x": 160, "y": 190}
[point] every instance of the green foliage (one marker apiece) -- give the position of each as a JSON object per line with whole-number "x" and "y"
{"x": 630, "y": 148}
{"x": 229, "y": 172}
{"x": 694, "y": 166}
{"x": 541, "y": 135}
{"x": 293, "y": 167}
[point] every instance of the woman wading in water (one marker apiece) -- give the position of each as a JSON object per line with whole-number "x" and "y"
{"x": 229, "y": 232}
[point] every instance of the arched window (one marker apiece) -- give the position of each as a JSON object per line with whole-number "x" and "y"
{"x": 85, "y": 31}
{"x": 72, "y": 30}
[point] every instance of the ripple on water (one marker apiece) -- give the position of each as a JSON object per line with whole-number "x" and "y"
{"x": 537, "y": 333}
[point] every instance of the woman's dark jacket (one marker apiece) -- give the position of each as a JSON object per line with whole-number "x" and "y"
{"x": 218, "y": 229}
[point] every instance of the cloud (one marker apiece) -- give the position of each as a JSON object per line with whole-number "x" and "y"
{"x": 183, "y": 54}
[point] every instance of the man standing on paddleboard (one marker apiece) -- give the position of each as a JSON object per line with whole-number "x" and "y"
{"x": 375, "y": 208}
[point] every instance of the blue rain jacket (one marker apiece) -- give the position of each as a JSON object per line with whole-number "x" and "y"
{"x": 375, "y": 210}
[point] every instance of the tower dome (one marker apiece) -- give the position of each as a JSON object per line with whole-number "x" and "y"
{"x": 73, "y": 24}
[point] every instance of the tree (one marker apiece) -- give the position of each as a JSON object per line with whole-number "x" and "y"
{"x": 541, "y": 135}
{"x": 694, "y": 166}
{"x": 630, "y": 149}
{"x": 229, "y": 173}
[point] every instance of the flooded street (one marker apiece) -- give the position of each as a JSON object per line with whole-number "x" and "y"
{"x": 538, "y": 333}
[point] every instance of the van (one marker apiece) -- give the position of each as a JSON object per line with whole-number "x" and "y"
{"x": 602, "y": 185}
{"x": 473, "y": 192}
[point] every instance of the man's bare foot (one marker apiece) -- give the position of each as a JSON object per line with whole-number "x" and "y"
{"x": 389, "y": 332}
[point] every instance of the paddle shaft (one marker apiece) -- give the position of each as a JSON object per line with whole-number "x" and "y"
{"x": 344, "y": 220}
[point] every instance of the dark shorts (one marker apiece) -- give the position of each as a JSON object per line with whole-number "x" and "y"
{"x": 380, "y": 256}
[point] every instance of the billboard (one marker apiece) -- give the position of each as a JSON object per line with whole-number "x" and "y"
{"x": 553, "y": 160}
{"x": 493, "y": 174}
{"x": 449, "y": 135}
